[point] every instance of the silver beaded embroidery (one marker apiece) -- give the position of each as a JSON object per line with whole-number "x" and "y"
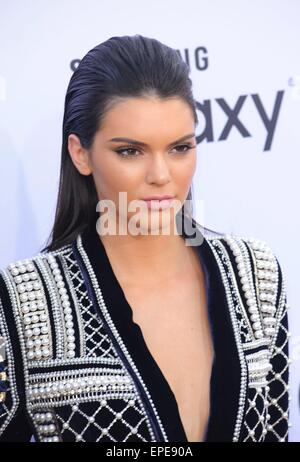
{"x": 113, "y": 329}
{"x": 9, "y": 405}
{"x": 74, "y": 386}
{"x": 49, "y": 395}
{"x": 95, "y": 385}
{"x": 33, "y": 309}
{"x": 94, "y": 339}
{"x": 236, "y": 314}
{"x": 260, "y": 290}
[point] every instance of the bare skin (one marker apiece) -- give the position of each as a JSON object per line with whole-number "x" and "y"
{"x": 172, "y": 315}
{"x": 161, "y": 277}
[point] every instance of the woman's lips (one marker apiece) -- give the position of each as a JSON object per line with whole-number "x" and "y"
{"x": 155, "y": 204}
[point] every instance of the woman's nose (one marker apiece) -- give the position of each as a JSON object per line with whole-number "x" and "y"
{"x": 158, "y": 170}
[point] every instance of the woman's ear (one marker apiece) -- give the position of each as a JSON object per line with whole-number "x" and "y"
{"x": 79, "y": 155}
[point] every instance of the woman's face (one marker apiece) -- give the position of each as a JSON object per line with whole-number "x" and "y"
{"x": 155, "y": 164}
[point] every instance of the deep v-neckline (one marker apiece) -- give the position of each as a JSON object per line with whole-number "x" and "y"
{"x": 132, "y": 337}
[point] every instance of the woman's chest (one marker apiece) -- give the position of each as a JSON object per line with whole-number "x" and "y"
{"x": 174, "y": 323}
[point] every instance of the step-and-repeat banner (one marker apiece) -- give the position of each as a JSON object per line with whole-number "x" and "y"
{"x": 244, "y": 59}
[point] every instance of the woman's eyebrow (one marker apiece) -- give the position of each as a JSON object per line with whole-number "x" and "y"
{"x": 129, "y": 140}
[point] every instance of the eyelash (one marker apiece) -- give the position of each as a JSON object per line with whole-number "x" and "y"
{"x": 121, "y": 150}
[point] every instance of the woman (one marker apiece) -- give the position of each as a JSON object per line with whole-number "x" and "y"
{"x": 148, "y": 336}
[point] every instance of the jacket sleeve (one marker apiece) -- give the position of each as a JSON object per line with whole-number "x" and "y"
{"x": 14, "y": 425}
{"x": 278, "y": 387}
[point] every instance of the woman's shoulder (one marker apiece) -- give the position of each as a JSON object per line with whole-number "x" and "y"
{"x": 256, "y": 268}
{"x": 252, "y": 252}
{"x": 27, "y": 288}
{"x": 247, "y": 254}
{"x": 256, "y": 246}
{"x": 23, "y": 276}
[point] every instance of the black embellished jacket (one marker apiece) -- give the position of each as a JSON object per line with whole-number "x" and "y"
{"x": 74, "y": 365}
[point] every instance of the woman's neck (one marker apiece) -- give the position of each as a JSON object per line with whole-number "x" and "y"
{"x": 145, "y": 258}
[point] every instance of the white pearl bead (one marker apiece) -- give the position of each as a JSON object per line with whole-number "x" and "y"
{"x": 25, "y": 309}
{"x": 258, "y": 334}
{"x": 254, "y": 317}
{"x": 253, "y": 309}
{"x": 38, "y": 354}
{"x": 21, "y": 288}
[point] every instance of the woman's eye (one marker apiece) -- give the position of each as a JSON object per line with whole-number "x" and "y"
{"x": 122, "y": 151}
{"x": 132, "y": 152}
{"x": 187, "y": 146}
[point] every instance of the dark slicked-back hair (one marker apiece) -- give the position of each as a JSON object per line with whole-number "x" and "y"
{"x": 121, "y": 67}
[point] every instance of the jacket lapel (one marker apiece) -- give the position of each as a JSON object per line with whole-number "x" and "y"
{"x": 162, "y": 408}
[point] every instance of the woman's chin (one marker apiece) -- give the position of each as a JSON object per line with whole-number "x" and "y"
{"x": 154, "y": 222}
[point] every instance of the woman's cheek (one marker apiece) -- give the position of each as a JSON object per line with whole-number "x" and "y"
{"x": 185, "y": 173}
